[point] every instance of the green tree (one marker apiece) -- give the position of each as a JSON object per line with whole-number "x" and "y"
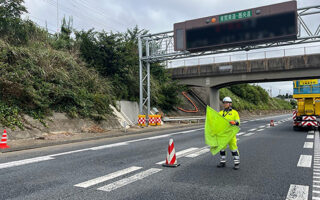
{"x": 11, "y": 26}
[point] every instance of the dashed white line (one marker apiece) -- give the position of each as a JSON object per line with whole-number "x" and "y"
{"x": 311, "y": 132}
{"x": 107, "y": 177}
{"x": 241, "y": 133}
{"x": 193, "y": 155}
{"x": 260, "y": 130}
{"x": 316, "y": 168}
{"x": 261, "y": 126}
{"x": 298, "y": 192}
{"x": 310, "y": 136}
{"x": 249, "y": 134}
{"x": 305, "y": 161}
{"x": 308, "y": 145}
{"x": 131, "y": 179}
{"x": 253, "y": 129}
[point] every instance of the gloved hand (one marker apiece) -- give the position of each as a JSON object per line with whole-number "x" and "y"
{"x": 232, "y": 122}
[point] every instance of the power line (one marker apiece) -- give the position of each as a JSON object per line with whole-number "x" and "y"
{"x": 102, "y": 12}
{"x": 77, "y": 14}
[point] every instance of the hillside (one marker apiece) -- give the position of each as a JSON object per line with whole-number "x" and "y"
{"x": 252, "y": 97}
{"x": 79, "y": 73}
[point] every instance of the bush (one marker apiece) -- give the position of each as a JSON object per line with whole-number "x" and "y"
{"x": 250, "y": 97}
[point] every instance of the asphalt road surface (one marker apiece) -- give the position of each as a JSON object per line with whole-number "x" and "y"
{"x": 276, "y": 163}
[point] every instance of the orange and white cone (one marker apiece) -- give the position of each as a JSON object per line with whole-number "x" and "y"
{"x": 3, "y": 142}
{"x": 271, "y": 123}
{"x": 171, "y": 160}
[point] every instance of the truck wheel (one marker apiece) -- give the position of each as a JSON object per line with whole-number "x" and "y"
{"x": 296, "y": 128}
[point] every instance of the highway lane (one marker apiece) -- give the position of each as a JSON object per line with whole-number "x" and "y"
{"x": 126, "y": 167}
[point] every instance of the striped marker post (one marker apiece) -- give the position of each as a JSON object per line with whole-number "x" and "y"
{"x": 171, "y": 160}
{"x": 271, "y": 123}
{"x": 3, "y": 142}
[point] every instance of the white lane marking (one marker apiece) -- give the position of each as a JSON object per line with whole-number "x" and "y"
{"x": 107, "y": 177}
{"x": 249, "y": 134}
{"x": 310, "y": 136}
{"x": 241, "y": 133}
{"x": 109, "y": 146}
{"x": 311, "y": 132}
{"x": 131, "y": 179}
{"x": 308, "y": 145}
{"x": 298, "y": 192}
{"x": 180, "y": 154}
{"x": 137, "y": 140}
{"x": 157, "y": 137}
{"x": 244, "y": 122}
{"x": 316, "y": 168}
{"x": 253, "y": 129}
{"x": 24, "y": 162}
{"x": 69, "y": 152}
{"x": 49, "y": 157}
{"x": 193, "y": 155}
{"x": 154, "y": 137}
{"x": 182, "y": 132}
{"x": 260, "y": 130}
{"x": 304, "y": 161}
{"x": 261, "y": 126}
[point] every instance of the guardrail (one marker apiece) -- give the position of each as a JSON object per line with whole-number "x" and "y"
{"x": 255, "y": 55}
{"x": 167, "y": 119}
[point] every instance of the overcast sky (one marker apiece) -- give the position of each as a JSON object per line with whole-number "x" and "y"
{"x": 153, "y": 15}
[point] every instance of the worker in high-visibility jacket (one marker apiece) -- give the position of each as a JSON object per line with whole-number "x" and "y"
{"x": 233, "y": 117}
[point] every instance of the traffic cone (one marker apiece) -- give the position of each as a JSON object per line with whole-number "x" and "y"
{"x": 271, "y": 123}
{"x": 171, "y": 160}
{"x": 3, "y": 142}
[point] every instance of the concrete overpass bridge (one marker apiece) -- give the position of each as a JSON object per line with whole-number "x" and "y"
{"x": 216, "y": 76}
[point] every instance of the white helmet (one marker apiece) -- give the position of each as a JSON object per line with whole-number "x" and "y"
{"x": 227, "y": 99}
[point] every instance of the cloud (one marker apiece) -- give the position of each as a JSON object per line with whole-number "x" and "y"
{"x": 153, "y": 15}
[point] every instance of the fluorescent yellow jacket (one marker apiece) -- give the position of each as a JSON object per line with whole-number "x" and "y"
{"x": 230, "y": 115}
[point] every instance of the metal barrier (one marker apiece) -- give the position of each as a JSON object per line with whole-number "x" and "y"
{"x": 167, "y": 119}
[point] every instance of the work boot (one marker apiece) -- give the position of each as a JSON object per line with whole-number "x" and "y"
{"x": 236, "y": 159}
{"x": 221, "y": 165}
{"x": 236, "y": 166}
{"x": 222, "y": 159}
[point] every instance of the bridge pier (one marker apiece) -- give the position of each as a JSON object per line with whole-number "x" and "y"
{"x": 213, "y": 98}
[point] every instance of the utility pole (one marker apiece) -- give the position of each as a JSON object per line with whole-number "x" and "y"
{"x": 58, "y": 16}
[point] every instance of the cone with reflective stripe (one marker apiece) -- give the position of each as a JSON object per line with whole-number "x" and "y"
{"x": 3, "y": 142}
{"x": 171, "y": 160}
{"x": 271, "y": 123}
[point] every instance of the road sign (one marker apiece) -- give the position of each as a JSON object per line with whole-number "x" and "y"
{"x": 276, "y": 22}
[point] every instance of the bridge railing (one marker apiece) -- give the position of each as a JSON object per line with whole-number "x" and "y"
{"x": 275, "y": 53}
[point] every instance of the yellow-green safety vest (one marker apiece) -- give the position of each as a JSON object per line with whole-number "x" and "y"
{"x": 231, "y": 115}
